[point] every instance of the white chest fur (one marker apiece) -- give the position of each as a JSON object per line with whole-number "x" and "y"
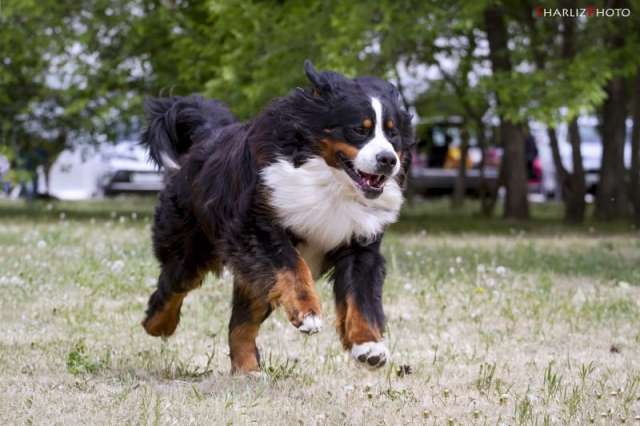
{"x": 322, "y": 205}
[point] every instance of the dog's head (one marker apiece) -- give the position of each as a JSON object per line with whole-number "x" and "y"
{"x": 362, "y": 128}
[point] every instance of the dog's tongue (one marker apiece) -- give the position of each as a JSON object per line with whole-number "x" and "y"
{"x": 372, "y": 180}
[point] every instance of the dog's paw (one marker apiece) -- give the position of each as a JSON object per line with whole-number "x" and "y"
{"x": 311, "y": 324}
{"x": 371, "y": 354}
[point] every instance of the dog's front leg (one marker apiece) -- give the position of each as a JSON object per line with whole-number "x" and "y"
{"x": 269, "y": 272}
{"x": 295, "y": 290}
{"x": 358, "y": 278}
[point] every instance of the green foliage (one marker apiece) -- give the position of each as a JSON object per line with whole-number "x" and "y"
{"x": 277, "y": 369}
{"x": 80, "y": 362}
{"x": 78, "y": 71}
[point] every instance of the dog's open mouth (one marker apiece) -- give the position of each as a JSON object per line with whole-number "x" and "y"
{"x": 370, "y": 184}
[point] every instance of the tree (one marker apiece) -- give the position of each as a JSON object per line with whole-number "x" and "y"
{"x": 572, "y": 183}
{"x": 79, "y": 70}
{"x": 30, "y": 35}
{"x": 513, "y": 161}
{"x": 472, "y": 105}
{"x": 634, "y": 180}
{"x": 612, "y": 197}
{"x": 68, "y": 77}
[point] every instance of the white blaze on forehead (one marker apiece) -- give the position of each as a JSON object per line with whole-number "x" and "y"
{"x": 366, "y": 160}
{"x": 377, "y": 109}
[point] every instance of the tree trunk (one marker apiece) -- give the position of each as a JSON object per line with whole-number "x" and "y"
{"x": 513, "y": 166}
{"x": 575, "y": 205}
{"x": 572, "y": 185}
{"x": 487, "y": 196}
{"x": 561, "y": 172}
{"x": 460, "y": 188}
{"x": 634, "y": 189}
{"x": 611, "y": 199}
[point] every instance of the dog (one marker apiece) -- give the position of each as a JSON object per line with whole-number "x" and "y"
{"x": 306, "y": 188}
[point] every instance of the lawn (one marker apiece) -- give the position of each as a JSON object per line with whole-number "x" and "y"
{"x": 488, "y": 323}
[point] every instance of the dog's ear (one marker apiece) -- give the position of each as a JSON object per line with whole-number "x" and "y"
{"x": 320, "y": 84}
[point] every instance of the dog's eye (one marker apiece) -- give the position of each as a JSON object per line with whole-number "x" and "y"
{"x": 362, "y": 130}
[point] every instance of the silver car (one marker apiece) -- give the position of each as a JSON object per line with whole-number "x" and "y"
{"x": 100, "y": 170}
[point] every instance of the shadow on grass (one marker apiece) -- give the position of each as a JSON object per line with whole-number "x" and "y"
{"x": 437, "y": 217}
{"x": 432, "y": 216}
{"x": 107, "y": 209}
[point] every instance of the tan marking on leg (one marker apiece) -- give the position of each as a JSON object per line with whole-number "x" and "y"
{"x": 353, "y": 327}
{"x": 243, "y": 350}
{"x": 331, "y": 147}
{"x": 295, "y": 291}
{"x": 165, "y": 321}
{"x": 341, "y": 326}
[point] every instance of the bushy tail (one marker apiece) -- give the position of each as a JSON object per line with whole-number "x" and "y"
{"x": 176, "y": 123}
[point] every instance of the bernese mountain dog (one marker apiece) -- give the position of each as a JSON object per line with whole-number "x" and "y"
{"x": 305, "y": 188}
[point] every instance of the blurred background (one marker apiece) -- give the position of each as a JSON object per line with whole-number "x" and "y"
{"x": 512, "y": 102}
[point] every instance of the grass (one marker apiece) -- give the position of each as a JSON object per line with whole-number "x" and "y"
{"x": 489, "y": 323}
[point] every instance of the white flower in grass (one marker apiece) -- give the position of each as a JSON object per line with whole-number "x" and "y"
{"x": 481, "y": 269}
{"x": 578, "y": 299}
{"x": 41, "y": 244}
{"x": 624, "y": 285}
{"x": 458, "y": 260}
{"x": 501, "y": 270}
{"x": 117, "y": 266}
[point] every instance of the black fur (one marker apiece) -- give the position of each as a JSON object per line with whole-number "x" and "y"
{"x": 359, "y": 271}
{"x": 215, "y": 211}
{"x": 175, "y": 124}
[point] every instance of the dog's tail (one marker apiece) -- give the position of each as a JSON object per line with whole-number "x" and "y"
{"x": 176, "y": 123}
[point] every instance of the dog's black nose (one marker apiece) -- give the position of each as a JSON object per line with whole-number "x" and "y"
{"x": 386, "y": 162}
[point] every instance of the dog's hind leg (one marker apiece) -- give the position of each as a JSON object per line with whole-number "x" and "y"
{"x": 248, "y": 312}
{"x": 163, "y": 311}
{"x": 185, "y": 256}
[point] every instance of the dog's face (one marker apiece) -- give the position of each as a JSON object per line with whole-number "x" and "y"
{"x": 363, "y": 130}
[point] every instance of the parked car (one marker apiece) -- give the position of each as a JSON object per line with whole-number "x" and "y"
{"x": 128, "y": 170}
{"x": 437, "y": 156}
{"x": 103, "y": 170}
{"x": 591, "y": 150}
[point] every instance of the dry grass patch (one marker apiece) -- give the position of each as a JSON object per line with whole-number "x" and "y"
{"x": 510, "y": 329}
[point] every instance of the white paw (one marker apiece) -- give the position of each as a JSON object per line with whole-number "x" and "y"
{"x": 311, "y": 324}
{"x": 371, "y": 354}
